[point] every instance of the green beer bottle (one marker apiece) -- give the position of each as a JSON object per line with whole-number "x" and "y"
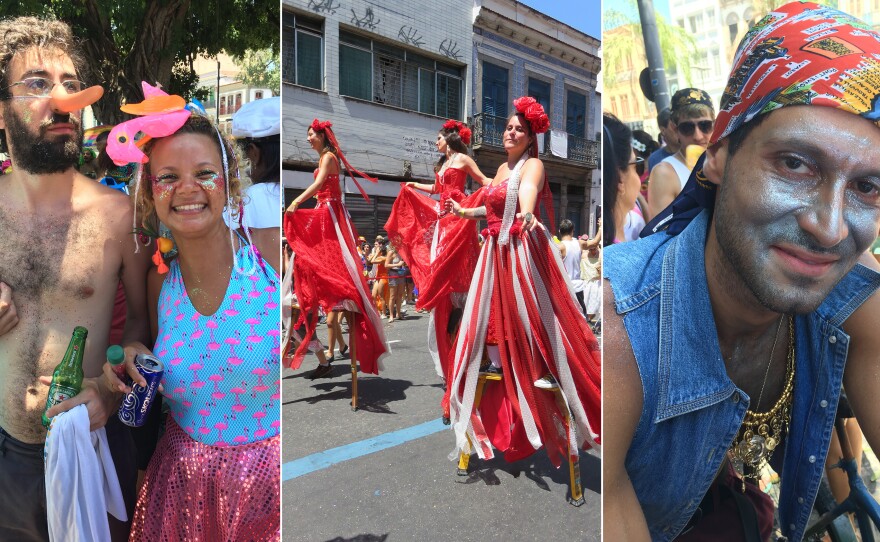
{"x": 68, "y": 376}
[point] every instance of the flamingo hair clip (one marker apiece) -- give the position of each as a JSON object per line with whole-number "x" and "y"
{"x": 160, "y": 115}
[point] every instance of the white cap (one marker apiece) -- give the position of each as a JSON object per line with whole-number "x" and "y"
{"x": 259, "y": 118}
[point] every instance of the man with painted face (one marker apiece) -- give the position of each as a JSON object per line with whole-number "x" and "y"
{"x": 728, "y": 335}
{"x": 65, "y": 243}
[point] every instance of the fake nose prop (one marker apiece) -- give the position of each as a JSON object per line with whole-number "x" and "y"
{"x": 62, "y": 102}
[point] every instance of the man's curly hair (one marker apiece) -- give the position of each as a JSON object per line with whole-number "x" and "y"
{"x": 22, "y": 33}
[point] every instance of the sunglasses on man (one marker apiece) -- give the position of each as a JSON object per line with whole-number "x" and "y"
{"x": 687, "y": 127}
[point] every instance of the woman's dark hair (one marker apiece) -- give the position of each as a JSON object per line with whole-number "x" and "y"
{"x": 268, "y": 170}
{"x": 616, "y": 152}
{"x": 453, "y": 140}
{"x": 645, "y": 139}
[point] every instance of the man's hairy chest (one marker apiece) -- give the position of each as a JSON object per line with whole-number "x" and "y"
{"x": 48, "y": 254}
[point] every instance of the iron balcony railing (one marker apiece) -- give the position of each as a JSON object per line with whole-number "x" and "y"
{"x": 489, "y": 131}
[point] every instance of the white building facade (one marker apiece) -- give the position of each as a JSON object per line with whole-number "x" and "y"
{"x": 387, "y": 76}
{"x": 717, "y": 26}
{"x": 221, "y": 73}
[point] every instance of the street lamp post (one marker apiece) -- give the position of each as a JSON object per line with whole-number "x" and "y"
{"x": 652, "y": 51}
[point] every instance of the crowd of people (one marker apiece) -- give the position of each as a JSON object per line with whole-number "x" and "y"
{"x": 76, "y": 252}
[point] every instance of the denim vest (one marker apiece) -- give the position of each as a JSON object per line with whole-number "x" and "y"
{"x": 692, "y": 410}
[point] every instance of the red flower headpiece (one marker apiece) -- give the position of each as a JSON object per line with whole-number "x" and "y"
{"x": 463, "y": 131}
{"x": 319, "y": 126}
{"x": 534, "y": 113}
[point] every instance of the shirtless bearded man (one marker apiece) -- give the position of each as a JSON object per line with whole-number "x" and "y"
{"x": 65, "y": 243}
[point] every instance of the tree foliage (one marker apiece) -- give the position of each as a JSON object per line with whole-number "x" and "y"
{"x": 129, "y": 41}
{"x": 623, "y": 47}
{"x": 259, "y": 68}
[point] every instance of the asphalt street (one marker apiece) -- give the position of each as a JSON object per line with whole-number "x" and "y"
{"x": 337, "y": 488}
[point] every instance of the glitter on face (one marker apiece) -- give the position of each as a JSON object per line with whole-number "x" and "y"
{"x": 161, "y": 190}
{"x": 165, "y": 185}
{"x": 210, "y": 182}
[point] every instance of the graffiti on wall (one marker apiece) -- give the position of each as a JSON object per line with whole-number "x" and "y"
{"x": 367, "y": 21}
{"x": 410, "y": 36}
{"x": 323, "y": 6}
{"x": 450, "y": 49}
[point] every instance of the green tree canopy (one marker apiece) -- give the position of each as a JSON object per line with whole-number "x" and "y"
{"x": 129, "y": 41}
{"x": 260, "y": 69}
{"x": 677, "y": 46}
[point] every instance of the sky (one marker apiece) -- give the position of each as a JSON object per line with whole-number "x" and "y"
{"x": 581, "y": 15}
{"x": 661, "y": 7}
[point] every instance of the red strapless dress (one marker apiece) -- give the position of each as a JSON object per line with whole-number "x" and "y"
{"x": 539, "y": 329}
{"x": 441, "y": 250}
{"x": 327, "y": 273}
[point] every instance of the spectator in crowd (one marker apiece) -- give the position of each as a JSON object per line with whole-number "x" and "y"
{"x": 257, "y": 128}
{"x": 669, "y": 137}
{"x": 693, "y": 116}
{"x": 620, "y": 183}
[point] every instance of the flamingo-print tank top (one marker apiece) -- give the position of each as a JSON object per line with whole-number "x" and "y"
{"x": 222, "y": 373}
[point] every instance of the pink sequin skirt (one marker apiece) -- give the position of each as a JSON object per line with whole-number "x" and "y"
{"x": 202, "y": 493}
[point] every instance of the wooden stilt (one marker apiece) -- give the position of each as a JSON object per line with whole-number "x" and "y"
{"x": 576, "y": 493}
{"x": 352, "y": 348}
{"x": 464, "y": 458}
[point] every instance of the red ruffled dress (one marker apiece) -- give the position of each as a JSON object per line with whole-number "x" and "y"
{"x": 441, "y": 251}
{"x": 539, "y": 329}
{"x": 327, "y": 273}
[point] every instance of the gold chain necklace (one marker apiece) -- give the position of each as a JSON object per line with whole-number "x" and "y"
{"x": 761, "y": 432}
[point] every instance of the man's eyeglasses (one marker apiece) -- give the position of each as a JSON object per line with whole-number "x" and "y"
{"x": 687, "y": 127}
{"x": 40, "y": 87}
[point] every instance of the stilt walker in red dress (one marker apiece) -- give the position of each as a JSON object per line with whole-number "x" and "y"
{"x": 327, "y": 270}
{"x": 440, "y": 249}
{"x": 521, "y": 307}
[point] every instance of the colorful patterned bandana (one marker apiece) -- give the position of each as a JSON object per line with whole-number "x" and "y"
{"x": 799, "y": 54}
{"x": 802, "y": 54}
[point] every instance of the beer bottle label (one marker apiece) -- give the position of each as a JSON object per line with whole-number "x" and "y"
{"x": 59, "y": 393}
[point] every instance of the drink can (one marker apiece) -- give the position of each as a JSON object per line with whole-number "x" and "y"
{"x": 136, "y": 404}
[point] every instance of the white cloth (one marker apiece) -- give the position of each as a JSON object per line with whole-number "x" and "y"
{"x": 634, "y": 223}
{"x": 593, "y": 296}
{"x": 559, "y": 143}
{"x": 259, "y": 118}
{"x": 592, "y": 284}
{"x": 81, "y": 482}
{"x": 262, "y": 205}
{"x": 572, "y": 263}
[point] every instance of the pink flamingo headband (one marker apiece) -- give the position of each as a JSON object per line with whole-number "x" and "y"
{"x": 162, "y": 115}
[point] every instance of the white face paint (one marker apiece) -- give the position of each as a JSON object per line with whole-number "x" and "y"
{"x": 794, "y": 211}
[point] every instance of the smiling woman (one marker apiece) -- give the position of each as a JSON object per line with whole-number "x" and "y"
{"x": 220, "y": 450}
